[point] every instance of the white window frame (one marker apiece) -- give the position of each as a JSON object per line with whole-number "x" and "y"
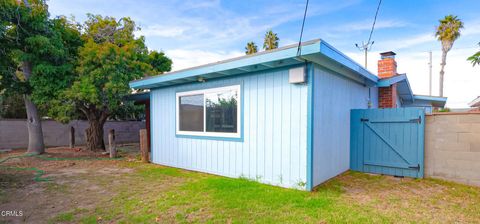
{"x": 237, "y": 134}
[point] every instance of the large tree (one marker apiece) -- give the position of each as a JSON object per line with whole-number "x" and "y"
{"x": 251, "y": 48}
{"x": 270, "y": 41}
{"x": 447, "y": 32}
{"x": 475, "y": 59}
{"x": 110, "y": 58}
{"x": 34, "y": 50}
{"x": 12, "y": 106}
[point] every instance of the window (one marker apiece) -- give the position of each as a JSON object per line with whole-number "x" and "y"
{"x": 191, "y": 113}
{"x": 209, "y": 112}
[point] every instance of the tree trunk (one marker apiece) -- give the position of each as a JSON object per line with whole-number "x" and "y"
{"x": 34, "y": 123}
{"x": 94, "y": 134}
{"x": 34, "y": 126}
{"x": 442, "y": 71}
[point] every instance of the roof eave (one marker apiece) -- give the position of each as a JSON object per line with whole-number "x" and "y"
{"x": 257, "y": 62}
{"x": 386, "y": 82}
{"x": 404, "y": 88}
{"x": 336, "y": 55}
{"x": 436, "y": 101}
{"x": 475, "y": 102}
{"x": 137, "y": 97}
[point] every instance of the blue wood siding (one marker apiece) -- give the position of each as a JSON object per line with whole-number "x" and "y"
{"x": 398, "y": 101}
{"x": 333, "y": 98}
{"x": 427, "y": 106}
{"x": 388, "y": 141}
{"x": 274, "y": 145}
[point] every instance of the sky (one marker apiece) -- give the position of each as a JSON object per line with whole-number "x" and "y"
{"x": 193, "y": 32}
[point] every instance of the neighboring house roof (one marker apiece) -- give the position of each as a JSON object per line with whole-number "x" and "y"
{"x": 138, "y": 98}
{"x": 436, "y": 101}
{"x": 403, "y": 86}
{"x": 406, "y": 94}
{"x": 475, "y": 102}
{"x": 317, "y": 51}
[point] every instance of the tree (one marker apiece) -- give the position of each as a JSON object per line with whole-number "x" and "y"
{"x": 110, "y": 58}
{"x": 251, "y": 48}
{"x": 447, "y": 32}
{"x": 475, "y": 59}
{"x": 159, "y": 62}
{"x": 33, "y": 48}
{"x": 12, "y": 106}
{"x": 53, "y": 78}
{"x": 271, "y": 40}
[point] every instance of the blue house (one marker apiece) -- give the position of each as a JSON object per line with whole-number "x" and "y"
{"x": 278, "y": 117}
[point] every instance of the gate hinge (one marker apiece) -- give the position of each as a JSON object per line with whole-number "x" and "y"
{"x": 364, "y": 119}
{"x": 417, "y": 167}
{"x": 417, "y": 120}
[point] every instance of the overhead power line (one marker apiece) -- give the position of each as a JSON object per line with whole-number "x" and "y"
{"x": 374, "y": 21}
{"x": 299, "y": 49}
{"x": 365, "y": 46}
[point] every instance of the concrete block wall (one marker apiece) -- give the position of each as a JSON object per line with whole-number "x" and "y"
{"x": 452, "y": 147}
{"x": 13, "y": 132}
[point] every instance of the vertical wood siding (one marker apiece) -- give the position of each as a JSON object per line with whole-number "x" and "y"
{"x": 389, "y": 142}
{"x": 274, "y": 143}
{"x": 333, "y": 98}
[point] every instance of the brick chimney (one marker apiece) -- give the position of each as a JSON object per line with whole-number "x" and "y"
{"x": 387, "y": 67}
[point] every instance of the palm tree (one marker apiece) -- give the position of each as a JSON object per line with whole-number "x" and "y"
{"x": 447, "y": 32}
{"x": 475, "y": 59}
{"x": 271, "y": 40}
{"x": 251, "y": 48}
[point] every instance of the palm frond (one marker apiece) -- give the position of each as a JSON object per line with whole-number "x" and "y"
{"x": 449, "y": 28}
{"x": 475, "y": 59}
{"x": 271, "y": 40}
{"x": 251, "y": 48}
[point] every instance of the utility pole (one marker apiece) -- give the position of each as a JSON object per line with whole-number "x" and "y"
{"x": 365, "y": 50}
{"x": 430, "y": 73}
{"x": 365, "y": 47}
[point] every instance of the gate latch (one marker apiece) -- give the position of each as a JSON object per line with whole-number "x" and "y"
{"x": 416, "y": 120}
{"x": 417, "y": 167}
{"x": 364, "y": 119}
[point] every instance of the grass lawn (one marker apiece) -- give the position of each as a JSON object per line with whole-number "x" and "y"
{"x": 127, "y": 191}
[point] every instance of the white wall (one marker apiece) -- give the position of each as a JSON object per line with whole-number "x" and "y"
{"x": 334, "y": 97}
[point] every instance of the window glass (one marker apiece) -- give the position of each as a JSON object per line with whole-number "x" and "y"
{"x": 221, "y": 111}
{"x": 191, "y": 113}
{"x": 211, "y": 112}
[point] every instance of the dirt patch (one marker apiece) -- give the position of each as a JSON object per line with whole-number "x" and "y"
{"x": 109, "y": 170}
{"x": 77, "y": 179}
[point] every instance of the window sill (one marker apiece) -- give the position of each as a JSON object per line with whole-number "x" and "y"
{"x": 216, "y": 138}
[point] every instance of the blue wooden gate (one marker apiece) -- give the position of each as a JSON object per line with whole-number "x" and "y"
{"x": 388, "y": 141}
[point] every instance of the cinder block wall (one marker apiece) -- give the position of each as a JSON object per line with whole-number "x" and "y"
{"x": 452, "y": 147}
{"x": 13, "y": 132}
